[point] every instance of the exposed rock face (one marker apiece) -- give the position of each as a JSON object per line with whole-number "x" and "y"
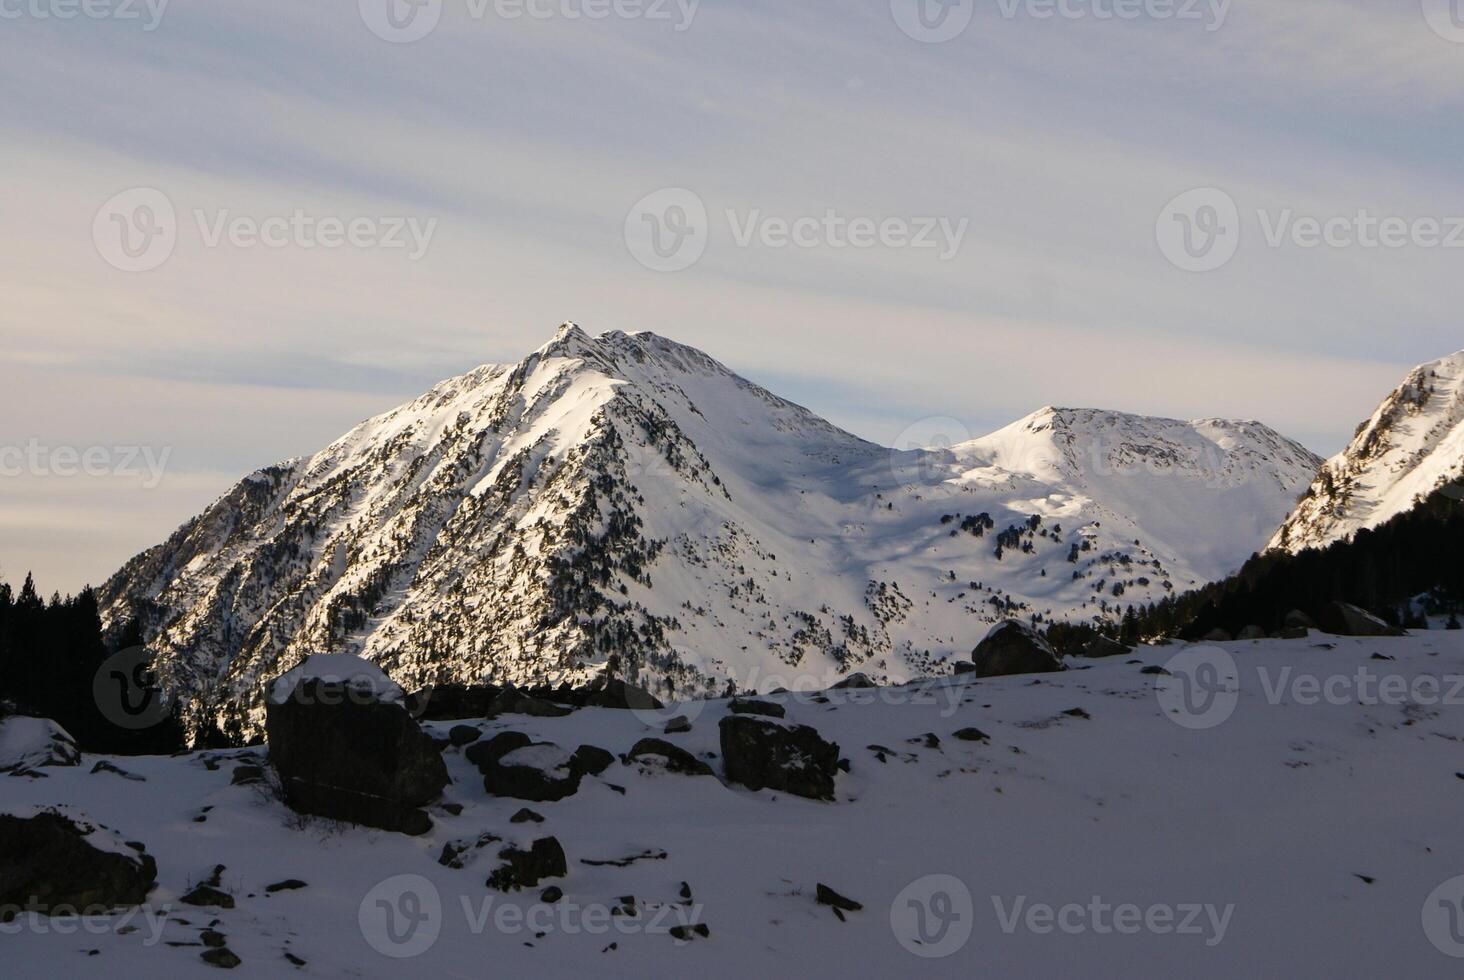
{"x": 768, "y": 709}
{"x": 1014, "y": 648}
{"x": 350, "y": 751}
{"x": 1343, "y": 619}
{"x": 67, "y": 865}
{"x": 763, "y": 754}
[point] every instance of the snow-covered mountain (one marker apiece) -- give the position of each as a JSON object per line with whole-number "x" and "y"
{"x": 1411, "y": 446}
{"x": 626, "y": 496}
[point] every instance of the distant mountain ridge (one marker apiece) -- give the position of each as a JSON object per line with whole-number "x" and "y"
{"x": 626, "y": 498}
{"x": 1411, "y": 446}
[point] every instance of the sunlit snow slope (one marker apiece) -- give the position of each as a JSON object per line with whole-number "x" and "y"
{"x": 628, "y": 496}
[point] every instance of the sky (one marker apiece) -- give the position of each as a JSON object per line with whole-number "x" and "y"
{"x": 234, "y": 229}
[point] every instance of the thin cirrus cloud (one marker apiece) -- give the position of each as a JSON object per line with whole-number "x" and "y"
{"x": 526, "y": 142}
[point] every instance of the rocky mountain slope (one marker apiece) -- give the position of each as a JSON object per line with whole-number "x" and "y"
{"x": 627, "y": 500}
{"x": 1412, "y": 446}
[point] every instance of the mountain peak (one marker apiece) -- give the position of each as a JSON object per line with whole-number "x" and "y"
{"x": 1412, "y": 445}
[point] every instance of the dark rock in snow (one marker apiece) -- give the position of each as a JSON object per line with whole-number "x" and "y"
{"x": 247, "y": 775}
{"x": 1251, "y": 633}
{"x": 591, "y": 760}
{"x": 526, "y": 816}
{"x": 458, "y": 854}
{"x": 511, "y": 702}
{"x": 678, "y": 725}
{"x": 222, "y": 957}
{"x": 1101, "y": 646}
{"x": 676, "y": 759}
{"x": 827, "y": 896}
{"x": 352, "y": 754}
{"x": 854, "y": 681}
{"x": 105, "y": 766}
{"x": 208, "y": 896}
{"x": 742, "y": 706}
{"x": 614, "y": 693}
{"x": 551, "y": 894}
{"x": 453, "y": 702}
{"x": 540, "y": 772}
{"x": 1344, "y": 619}
{"x": 971, "y": 735}
{"x": 524, "y": 869}
{"x": 1296, "y": 619}
{"x": 460, "y": 735}
{"x": 288, "y": 885}
{"x": 212, "y": 938}
{"x": 1014, "y": 648}
{"x": 762, "y": 754}
{"x": 57, "y": 862}
{"x": 484, "y": 754}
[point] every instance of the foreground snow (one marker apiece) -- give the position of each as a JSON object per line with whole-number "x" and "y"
{"x": 1292, "y": 824}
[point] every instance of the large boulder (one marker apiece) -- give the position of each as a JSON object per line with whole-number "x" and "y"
{"x": 1013, "y": 647}
{"x": 454, "y": 702}
{"x": 1344, "y": 619}
{"x": 761, "y": 753}
{"x": 56, "y": 862}
{"x": 615, "y": 693}
{"x": 1100, "y": 647}
{"x": 345, "y": 746}
{"x": 540, "y": 772}
{"x": 28, "y": 744}
{"x": 670, "y": 757}
{"x": 511, "y": 702}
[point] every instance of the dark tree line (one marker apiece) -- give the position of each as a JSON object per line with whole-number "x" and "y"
{"x": 50, "y": 654}
{"x": 1418, "y": 553}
